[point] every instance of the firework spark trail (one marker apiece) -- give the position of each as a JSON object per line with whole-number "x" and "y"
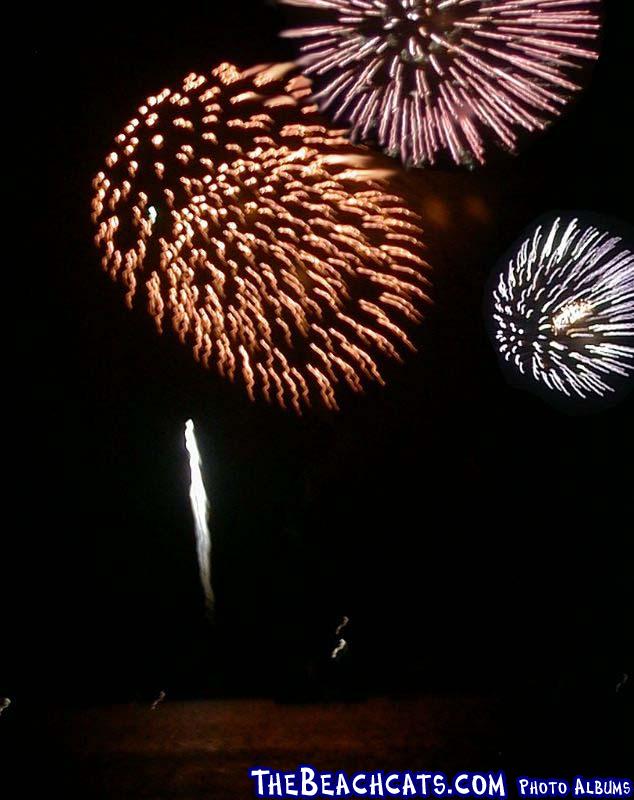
{"x": 424, "y": 76}
{"x": 4, "y": 704}
{"x": 200, "y": 510}
{"x": 564, "y": 309}
{"x": 159, "y": 700}
{"x": 342, "y": 644}
{"x": 265, "y": 239}
{"x": 341, "y": 647}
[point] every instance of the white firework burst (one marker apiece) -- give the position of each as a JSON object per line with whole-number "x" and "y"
{"x": 426, "y": 76}
{"x": 564, "y": 309}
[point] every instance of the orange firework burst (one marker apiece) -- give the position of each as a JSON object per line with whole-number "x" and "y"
{"x": 262, "y": 236}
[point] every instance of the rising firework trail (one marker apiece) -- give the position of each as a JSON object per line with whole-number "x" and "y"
{"x": 563, "y": 310}
{"x": 426, "y": 76}
{"x": 200, "y": 511}
{"x": 263, "y": 238}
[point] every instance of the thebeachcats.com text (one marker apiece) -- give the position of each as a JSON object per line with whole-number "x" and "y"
{"x": 306, "y": 781}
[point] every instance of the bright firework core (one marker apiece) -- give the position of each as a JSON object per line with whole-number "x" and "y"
{"x": 426, "y": 76}
{"x": 564, "y": 309}
{"x": 263, "y": 237}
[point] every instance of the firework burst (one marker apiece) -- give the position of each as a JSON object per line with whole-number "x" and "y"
{"x": 424, "y": 76}
{"x": 564, "y": 309}
{"x": 264, "y": 238}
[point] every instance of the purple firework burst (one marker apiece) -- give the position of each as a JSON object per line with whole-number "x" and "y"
{"x": 426, "y": 76}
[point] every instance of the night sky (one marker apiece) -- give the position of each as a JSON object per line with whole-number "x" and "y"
{"x": 477, "y": 537}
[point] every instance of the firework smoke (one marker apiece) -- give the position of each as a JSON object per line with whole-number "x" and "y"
{"x": 564, "y": 309}
{"x": 424, "y": 76}
{"x": 200, "y": 510}
{"x": 264, "y": 238}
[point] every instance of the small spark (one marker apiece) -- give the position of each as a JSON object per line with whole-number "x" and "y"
{"x": 621, "y": 684}
{"x": 343, "y": 624}
{"x": 342, "y": 644}
{"x": 341, "y": 647}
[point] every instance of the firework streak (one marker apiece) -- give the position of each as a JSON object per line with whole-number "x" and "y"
{"x": 265, "y": 239}
{"x": 342, "y": 644}
{"x": 200, "y": 511}
{"x": 341, "y": 647}
{"x": 423, "y": 76}
{"x": 564, "y": 309}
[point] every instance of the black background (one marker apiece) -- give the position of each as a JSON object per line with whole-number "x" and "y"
{"x": 477, "y": 538}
